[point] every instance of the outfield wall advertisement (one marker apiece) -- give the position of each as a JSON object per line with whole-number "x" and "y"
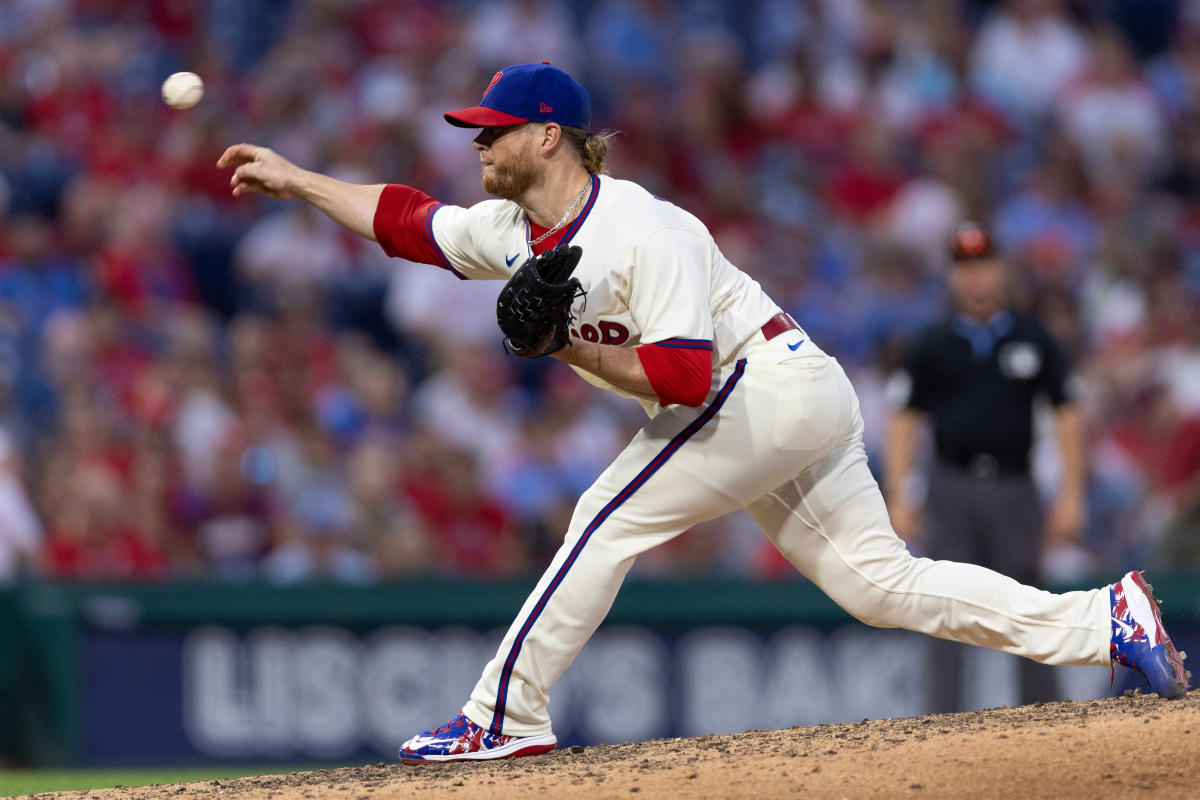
{"x": 323, "y": 693}
{"x": 176, "y": 676}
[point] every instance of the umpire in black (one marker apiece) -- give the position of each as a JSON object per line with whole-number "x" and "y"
{"x": 976, "y": 375}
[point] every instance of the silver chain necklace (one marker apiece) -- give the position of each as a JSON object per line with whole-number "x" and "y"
{"x": 565, "y": 216}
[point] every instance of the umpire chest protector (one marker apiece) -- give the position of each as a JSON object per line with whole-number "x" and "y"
{"x": 978, "y": 383}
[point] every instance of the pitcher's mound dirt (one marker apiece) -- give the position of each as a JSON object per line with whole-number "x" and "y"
{"x": 1133, "y": 746}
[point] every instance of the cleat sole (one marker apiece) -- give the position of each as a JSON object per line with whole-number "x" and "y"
{"x": 539, "y": 746}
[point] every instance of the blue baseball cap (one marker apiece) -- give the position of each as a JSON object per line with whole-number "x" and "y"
{"x": 528, "y": 93}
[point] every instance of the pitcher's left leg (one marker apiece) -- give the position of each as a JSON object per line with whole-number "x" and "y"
{"x": 832, "y": 524}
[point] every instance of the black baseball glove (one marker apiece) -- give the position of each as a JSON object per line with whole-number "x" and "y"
{"x": 534, "y": 307}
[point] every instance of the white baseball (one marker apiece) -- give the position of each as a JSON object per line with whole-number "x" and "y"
{"x": 182, "y": 90}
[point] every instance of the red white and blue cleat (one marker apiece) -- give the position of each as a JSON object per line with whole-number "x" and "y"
{"x": 1139, "y": 639}
{"x": 463, "y": 740}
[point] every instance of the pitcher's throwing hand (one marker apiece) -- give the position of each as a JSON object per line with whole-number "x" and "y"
{"x": 259, "y": 169}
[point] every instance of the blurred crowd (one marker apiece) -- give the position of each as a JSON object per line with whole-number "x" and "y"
{"x": 196, "y": 386}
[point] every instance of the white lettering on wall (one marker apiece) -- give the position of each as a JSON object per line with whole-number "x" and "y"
{"x": 216, "y": 706}
{"x": 268, "y": 653}
{"x": 721, "y": 679}
{"x": 325, "y": 691}
{"x": 321, "y": 692}
{"x": 617, "y": 690}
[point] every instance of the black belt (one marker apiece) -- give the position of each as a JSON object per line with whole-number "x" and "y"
{"x": 780, "y": 323}
{"x": 987, "y": 466}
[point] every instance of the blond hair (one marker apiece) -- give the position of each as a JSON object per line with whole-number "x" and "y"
{"x": 591, "y": 147}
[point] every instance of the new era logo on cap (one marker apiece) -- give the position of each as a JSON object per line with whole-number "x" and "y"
{"x": 528, "y": 93}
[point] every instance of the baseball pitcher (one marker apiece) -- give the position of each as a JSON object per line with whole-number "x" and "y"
{"x": 745, "y": 411}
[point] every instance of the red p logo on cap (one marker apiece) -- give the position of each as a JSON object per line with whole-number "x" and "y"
{"x": 495, "y": 79}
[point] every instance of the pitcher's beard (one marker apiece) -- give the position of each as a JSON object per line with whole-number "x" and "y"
{"x": 512, "y": 179}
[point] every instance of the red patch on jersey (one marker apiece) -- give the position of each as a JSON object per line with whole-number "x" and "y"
{"x": 545, "y": 109}
{"x": 495, "y": 79}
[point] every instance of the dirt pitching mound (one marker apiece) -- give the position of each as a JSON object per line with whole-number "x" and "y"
{"x": 1132, "y": 746}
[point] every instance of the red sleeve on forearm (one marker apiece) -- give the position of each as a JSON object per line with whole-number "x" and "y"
{"x": 679, "y": 370}
{"x": 404, "y": 225}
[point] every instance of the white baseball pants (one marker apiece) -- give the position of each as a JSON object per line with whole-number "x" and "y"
{"x": 781, "y": 435}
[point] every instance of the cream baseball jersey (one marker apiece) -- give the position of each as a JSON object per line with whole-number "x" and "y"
{"x": 780, "y": 435}
{"x": 652, "y": 271}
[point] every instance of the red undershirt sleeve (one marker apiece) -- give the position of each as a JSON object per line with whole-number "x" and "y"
{"x": 404, "y": 225}
{"x": 679, "y": 370}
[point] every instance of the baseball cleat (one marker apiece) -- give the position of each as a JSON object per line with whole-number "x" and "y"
{"x": 463, "y": 740}
{"x": 1139, "y": 639}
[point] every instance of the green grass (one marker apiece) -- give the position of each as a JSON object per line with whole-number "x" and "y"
{"x": 33, "y": 781}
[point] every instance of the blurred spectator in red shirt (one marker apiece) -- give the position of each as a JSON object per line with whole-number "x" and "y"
{"x": 866, "y": 184}
{"x": 88, "y": 537}
{"x": 472, "y": 533}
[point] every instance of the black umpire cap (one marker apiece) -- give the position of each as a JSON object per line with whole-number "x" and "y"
{"x": 971, "y": 242}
